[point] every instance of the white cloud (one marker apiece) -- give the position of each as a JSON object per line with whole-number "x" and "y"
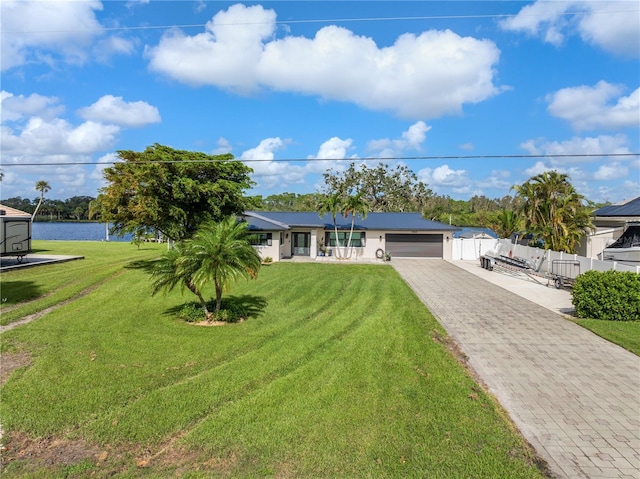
{"x": 443, "y": 176}
{"x": 592, "y": 146}
{"x": 329, "y": 152}
{"x": 412, "y": 139}
{"x": 114, "y": 110}
{"x": 588, "y": 108}
{"x": 419, "y": 76}
{"x": 55, "y": 31}
{"x": 612, "y": 171}
{"x": 113, "y": 45}
{"x": 538, "y": 169}
{"x": 613, "y": 26}
{"x": 16, "y": 108}
{"x": 223, "y": 147}
{"x": 56, "y": 137}
{"x": 66, "y": 28}
{"x": 498, "y": 179}
{"x": 268, "y": 173}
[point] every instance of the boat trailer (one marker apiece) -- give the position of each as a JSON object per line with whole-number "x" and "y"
{"x": 562, "y": 274}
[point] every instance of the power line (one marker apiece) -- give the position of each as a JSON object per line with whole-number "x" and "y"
{"x": 309, "y": 160}
{"x": 327, "y": 20}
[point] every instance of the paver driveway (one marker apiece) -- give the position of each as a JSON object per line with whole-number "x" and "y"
{"x": 574, "y": 396}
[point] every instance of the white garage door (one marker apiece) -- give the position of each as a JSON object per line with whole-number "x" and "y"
{"x": 414, "y": 245}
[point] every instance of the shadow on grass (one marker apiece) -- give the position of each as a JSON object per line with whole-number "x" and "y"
{"x": 14, "y": 292}
{"x": 144, "y": 265}
{"x": 252, "y": 306}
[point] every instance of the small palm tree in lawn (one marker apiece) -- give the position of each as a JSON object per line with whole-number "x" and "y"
{"x": 355, "y": 205}
{"x": 221, "y": 253}
{"x": 332, "y": 204}
{"x": 218, "y": 253}
{"x": 176, "y": 268}
{"x": 43, "y": 187}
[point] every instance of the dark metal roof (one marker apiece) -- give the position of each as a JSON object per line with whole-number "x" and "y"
{"x": 630, "y": 208}
{"x": 275, "y": 220}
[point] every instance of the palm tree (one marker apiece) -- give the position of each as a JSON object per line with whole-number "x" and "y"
{"x": 219, "y": 253}
{"x": 553, "y": 211}
{"x": 173, "y": 269}
{"x": 505, "y": 223}
{"x": 43, "y": 187}
{"x": 332, "y": 204}
{"x": 354, "y": 205}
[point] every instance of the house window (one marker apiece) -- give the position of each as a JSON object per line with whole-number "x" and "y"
{"x": 357, "y": 239}
{"x": 260, "y": 239}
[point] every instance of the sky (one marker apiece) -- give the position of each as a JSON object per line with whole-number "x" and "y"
{"x": 473, "y": 96}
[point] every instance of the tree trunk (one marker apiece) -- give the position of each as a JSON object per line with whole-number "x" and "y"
{"x": 195, "y": 291}
{"x": 218, "y": 297}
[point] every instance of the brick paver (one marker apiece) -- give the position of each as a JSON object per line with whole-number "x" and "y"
{"x": 574, "y": 396}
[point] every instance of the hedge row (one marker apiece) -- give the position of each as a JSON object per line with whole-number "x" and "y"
{"x": 609, "y": 295}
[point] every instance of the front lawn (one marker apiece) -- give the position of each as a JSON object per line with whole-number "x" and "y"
{"x": 340, "y": 371}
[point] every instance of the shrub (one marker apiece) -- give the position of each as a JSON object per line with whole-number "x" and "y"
{"x": 609, "y": 295}
{"x": 191, "y": 313}
{"x": 231, "y": 311}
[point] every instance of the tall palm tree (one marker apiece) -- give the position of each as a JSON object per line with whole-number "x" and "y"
{"x": 43, "y": 187}
{"x": 218, "y": 253}
{"x": 553, "y": 211}
{"x": 332, "y": 204}
{"x": 355, "y": 205}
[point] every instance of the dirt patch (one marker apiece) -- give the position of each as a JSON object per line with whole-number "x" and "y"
{"x": 10, "y": 362}
{"x": 48, "y": 451}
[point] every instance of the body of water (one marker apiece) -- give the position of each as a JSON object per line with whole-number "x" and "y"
{"x": 73, "y": 232}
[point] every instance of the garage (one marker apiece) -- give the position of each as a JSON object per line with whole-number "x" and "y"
{"x": 414, "y": 245}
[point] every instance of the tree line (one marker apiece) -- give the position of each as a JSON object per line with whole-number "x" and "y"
{"x": 75, "y": 208}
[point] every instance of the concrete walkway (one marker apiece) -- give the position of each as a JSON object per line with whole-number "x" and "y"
{"x": 574, "y": 396}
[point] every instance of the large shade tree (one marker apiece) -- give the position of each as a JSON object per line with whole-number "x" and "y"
{"x": 553, "y": 211}
{"x": 172, "y": 191}
{"x": 383, "y": 188}
{"x": 218, "y": 255}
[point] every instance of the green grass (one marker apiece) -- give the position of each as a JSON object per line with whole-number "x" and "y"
{"x": 340, "y": 371}
{"x": 622, "y": 333}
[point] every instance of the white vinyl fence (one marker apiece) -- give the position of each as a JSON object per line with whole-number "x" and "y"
{"x": 472, "y": 249}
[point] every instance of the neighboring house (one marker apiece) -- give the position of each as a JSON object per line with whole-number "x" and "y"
{"x": 609, "y": 222}
{"x": 475, "y": 233}
{"x": 286, "y": 234}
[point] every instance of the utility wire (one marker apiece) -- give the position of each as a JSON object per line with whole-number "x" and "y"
{"x": 328, "y": 20}
{"x": 307, "y": 160}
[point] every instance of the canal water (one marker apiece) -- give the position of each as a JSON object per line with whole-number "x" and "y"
{"x": 70, "y": 231}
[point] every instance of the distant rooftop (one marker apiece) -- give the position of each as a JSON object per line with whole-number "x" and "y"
{"x": 625, "y": 209}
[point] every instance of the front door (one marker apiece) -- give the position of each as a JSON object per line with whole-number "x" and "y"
{"x": 301, "y": 244}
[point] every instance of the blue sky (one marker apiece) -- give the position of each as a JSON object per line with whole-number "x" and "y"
{"x": 325, "y": 84}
